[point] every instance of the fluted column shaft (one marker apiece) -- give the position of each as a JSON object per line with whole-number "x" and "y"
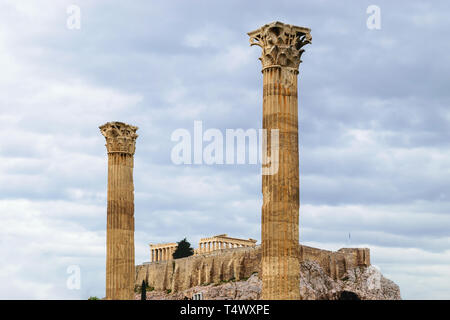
{"x": 120, "y": 266}
{"x": 120, "y": 227}
{"x": 281, "y": 51}
{"x": 280, "y": 210}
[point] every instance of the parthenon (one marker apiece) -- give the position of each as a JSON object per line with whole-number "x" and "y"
{"x": 222, "y": 241}
{"x": 164, "y": 251}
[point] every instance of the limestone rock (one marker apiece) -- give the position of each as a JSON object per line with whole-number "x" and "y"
{"x": 369, "y": 284}
{"x": 315, "y": 284}
{"x": 239, "y": 263}
{"x": 365, "y": 283}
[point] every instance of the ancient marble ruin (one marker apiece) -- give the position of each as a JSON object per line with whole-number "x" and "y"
{"x": 164, "y": 251}
{"x": 282, "y": 48}
{"x": 222, "y": 241}
{"x": 120, "y": 267}
{"x": 238, "y": 264}
{"x": 280, "y": 267}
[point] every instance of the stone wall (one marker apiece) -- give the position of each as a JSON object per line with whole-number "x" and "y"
{"x": 363, "y": 283}
{"x": 236, "y": 264}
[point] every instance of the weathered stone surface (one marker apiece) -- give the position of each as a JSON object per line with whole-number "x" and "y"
{"x": 315, "y": 284}
{"x": 369, "y": 284}
{"x": 366, "y": 282}
{"x": 281, "y": 46}
{"x": 181, "y": 274}
{"x": 164, "y": 251}
{"x": 248, "y": 289}
{"x": 120, "y": 266}
{"x": 238, "y": 263}
{"x": 120, "y": 137}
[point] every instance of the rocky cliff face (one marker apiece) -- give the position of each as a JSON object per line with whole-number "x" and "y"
{"x": 215, "y": 267}
{"x": 365, "y": 283}
{"x": 232, "y": 274}
{"x": 238, "y": 263}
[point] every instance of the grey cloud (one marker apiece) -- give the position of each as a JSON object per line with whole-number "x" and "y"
{"x": 162, "y": 65}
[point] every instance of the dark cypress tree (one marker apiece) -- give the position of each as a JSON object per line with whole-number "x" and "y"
{"x": 144, "y": 290}
{"x": 183, "y": 250}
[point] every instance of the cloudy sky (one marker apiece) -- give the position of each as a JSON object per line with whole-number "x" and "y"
{"x": 374, "y": 137}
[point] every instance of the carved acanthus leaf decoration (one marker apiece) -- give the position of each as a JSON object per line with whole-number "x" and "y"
{"x": 281, "y": 44}
{"x": 120, "y": 137}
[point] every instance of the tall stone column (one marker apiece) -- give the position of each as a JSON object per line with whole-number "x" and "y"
{"x": 281, "y": 46}
{"x": 120, "y": 268}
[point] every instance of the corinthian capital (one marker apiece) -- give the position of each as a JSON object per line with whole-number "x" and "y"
{"x": 120, "y": 137}
{"x": 281, "y": 44}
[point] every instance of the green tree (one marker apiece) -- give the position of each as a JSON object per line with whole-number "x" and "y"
{"x": 184, "y": 249}
{"x": 144, "y": 290}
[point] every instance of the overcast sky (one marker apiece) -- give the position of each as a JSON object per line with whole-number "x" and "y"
{"x": 373, "y": 131}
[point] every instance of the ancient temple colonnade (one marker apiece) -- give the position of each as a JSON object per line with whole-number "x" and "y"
{"x": 162, "y": 251}
{"x": 222, "y": 241}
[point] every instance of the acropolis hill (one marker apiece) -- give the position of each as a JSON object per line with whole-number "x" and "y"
{"x": 240, "y": 268}
{"x": 238, "y": 263}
